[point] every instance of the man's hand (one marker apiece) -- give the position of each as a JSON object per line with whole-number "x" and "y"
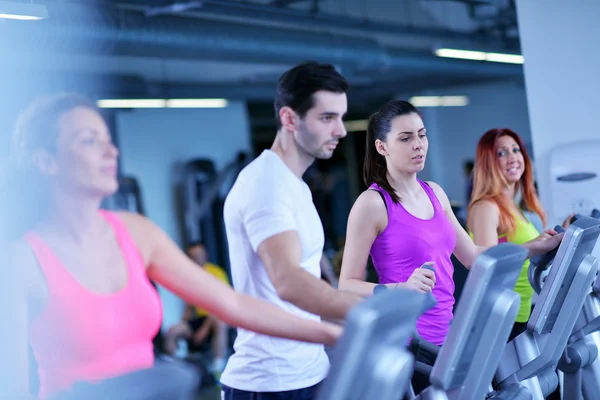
{"x": 202, "y": 333}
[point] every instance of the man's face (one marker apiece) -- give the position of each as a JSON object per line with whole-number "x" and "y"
{"x": 198, "y": 254}
{"x": 319, "y": 132}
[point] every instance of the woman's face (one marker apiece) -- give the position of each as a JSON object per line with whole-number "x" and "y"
{"x": 405, "y": 147}
{"x": 86, "y": 159}
{"x": 510, "y": 158}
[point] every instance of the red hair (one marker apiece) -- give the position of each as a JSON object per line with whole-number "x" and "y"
{"x": 489, "y": 181}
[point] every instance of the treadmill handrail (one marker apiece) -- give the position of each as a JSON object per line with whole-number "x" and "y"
{"x": 558, "y": 277}
{"x": 482, "y": 324}
{"x": 377, "y": 328}
{"x": 539, "y": 264}
{"x": 556, "y": 341}
{"x": 554, "y": 316}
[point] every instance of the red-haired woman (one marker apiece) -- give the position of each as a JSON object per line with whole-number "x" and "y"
{"x": 503, "y": 169}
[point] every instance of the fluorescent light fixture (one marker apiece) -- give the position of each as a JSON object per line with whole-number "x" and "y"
{"x": 462, "y": 54}
{"x": 197, "y": 103}
{"x": 132, "y": 103}
{"x": 356, "y": 126}
{"x": 505, "y": 58}
{"x": 22, "y": 11}
{"x": 480, "y": 56}
{"x": 162, "y": 103}
{"x": 439, "y": 101}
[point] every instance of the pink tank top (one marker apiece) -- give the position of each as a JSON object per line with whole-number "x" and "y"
{"x": 407, "y": 243}
{"x": 84, "y": 336}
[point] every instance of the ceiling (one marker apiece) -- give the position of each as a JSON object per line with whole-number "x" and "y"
{"x": 237, "y": 49}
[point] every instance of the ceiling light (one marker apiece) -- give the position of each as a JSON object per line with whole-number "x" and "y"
{"x": 359, "y": 125}
{"x": 162, "y": 103}
{"x": 197, "y": 103}
{"x": 505, "y": 58}
{"x": 439, "y": 101}
{"x": 22, "y": 11}
{"x": 463, "y": 54}
{"x": 480, "y": 56}
{"x": 132, "y": 103}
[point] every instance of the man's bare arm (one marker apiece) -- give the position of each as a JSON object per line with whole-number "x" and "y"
{"x": 281, "y": 254}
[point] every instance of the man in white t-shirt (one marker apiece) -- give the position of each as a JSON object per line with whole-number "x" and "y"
{"x": 276, "y": 239}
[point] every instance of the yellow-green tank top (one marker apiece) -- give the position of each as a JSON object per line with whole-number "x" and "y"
{"x": 524, "y": 232}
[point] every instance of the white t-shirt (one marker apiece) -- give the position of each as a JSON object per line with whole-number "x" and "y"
{"x": 267, "y": 199}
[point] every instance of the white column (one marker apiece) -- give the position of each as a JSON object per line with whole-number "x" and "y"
{"x": 561, "y": 45}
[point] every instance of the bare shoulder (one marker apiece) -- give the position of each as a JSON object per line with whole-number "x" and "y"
{"x": 485, "y": 207}
{"x": 370, "y": 207}
{"x": 23, "y": 267}
{"x": 370, "y": 201}
{"x": 482, "y": 214}
{"x": 134, "y": 220}
{"x": 18, "y": 250}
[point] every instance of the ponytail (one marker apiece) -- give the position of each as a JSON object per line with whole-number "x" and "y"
{"x": 374, "y": 167}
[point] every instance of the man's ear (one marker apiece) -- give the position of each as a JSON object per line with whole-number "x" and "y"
{"x": 288, "y": 118}
{"x": 45, "y": 162}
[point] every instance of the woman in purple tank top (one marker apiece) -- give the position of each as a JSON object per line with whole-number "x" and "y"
{"x": 404, "y": 223}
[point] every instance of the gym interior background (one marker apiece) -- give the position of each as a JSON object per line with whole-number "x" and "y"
{"x": 223, "y": 58}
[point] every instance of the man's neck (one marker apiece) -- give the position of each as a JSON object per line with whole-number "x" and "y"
{"x": 296, "y": 159}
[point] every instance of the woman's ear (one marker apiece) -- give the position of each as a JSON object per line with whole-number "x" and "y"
{"x": 44, "y": 162}
{"x": 381, "y": 147}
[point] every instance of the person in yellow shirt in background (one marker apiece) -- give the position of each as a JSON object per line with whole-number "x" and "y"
{"x": 202, "y": 331}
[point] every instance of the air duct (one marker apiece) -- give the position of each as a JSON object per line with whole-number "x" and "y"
{"x": 83, "y": 29}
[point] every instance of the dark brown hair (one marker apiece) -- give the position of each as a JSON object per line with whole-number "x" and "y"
{"x": 380, "y": 125}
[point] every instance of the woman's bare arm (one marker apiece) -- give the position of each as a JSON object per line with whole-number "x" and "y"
{"x": 367, "y": 218}
{"x": 170, "y": 267}
{"x": 14, "y": 311}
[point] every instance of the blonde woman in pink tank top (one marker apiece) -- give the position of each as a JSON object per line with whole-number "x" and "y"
{"x": 403, "y": 223}
{"x": 82, "y": 297}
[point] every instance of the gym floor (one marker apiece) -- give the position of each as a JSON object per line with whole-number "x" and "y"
{"x": 209, "y": 394}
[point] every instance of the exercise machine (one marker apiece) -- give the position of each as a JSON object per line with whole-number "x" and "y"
{"x": 527, "y": 369}
{"x": 203, "y": 196}
{"x": 127, "y": 198}
{"x": 579, "y": 362}
{"x": 164, "y": 380}
{"x": 466, "y": 363}
{"x": 371, "y": 360}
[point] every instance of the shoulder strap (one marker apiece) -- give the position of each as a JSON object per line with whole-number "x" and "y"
{"x": 385, "y": 196}
{"x": 432, "y": 196}
{"x": 130, "y": 250}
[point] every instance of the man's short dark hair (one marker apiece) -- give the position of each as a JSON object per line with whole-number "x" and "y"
{"x": 296, "y": 87}
{"x": 195, "y": 243}
{"x": 469, "y": 165}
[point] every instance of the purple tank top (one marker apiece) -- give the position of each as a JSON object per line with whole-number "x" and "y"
{"x": 407, "y": 243}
